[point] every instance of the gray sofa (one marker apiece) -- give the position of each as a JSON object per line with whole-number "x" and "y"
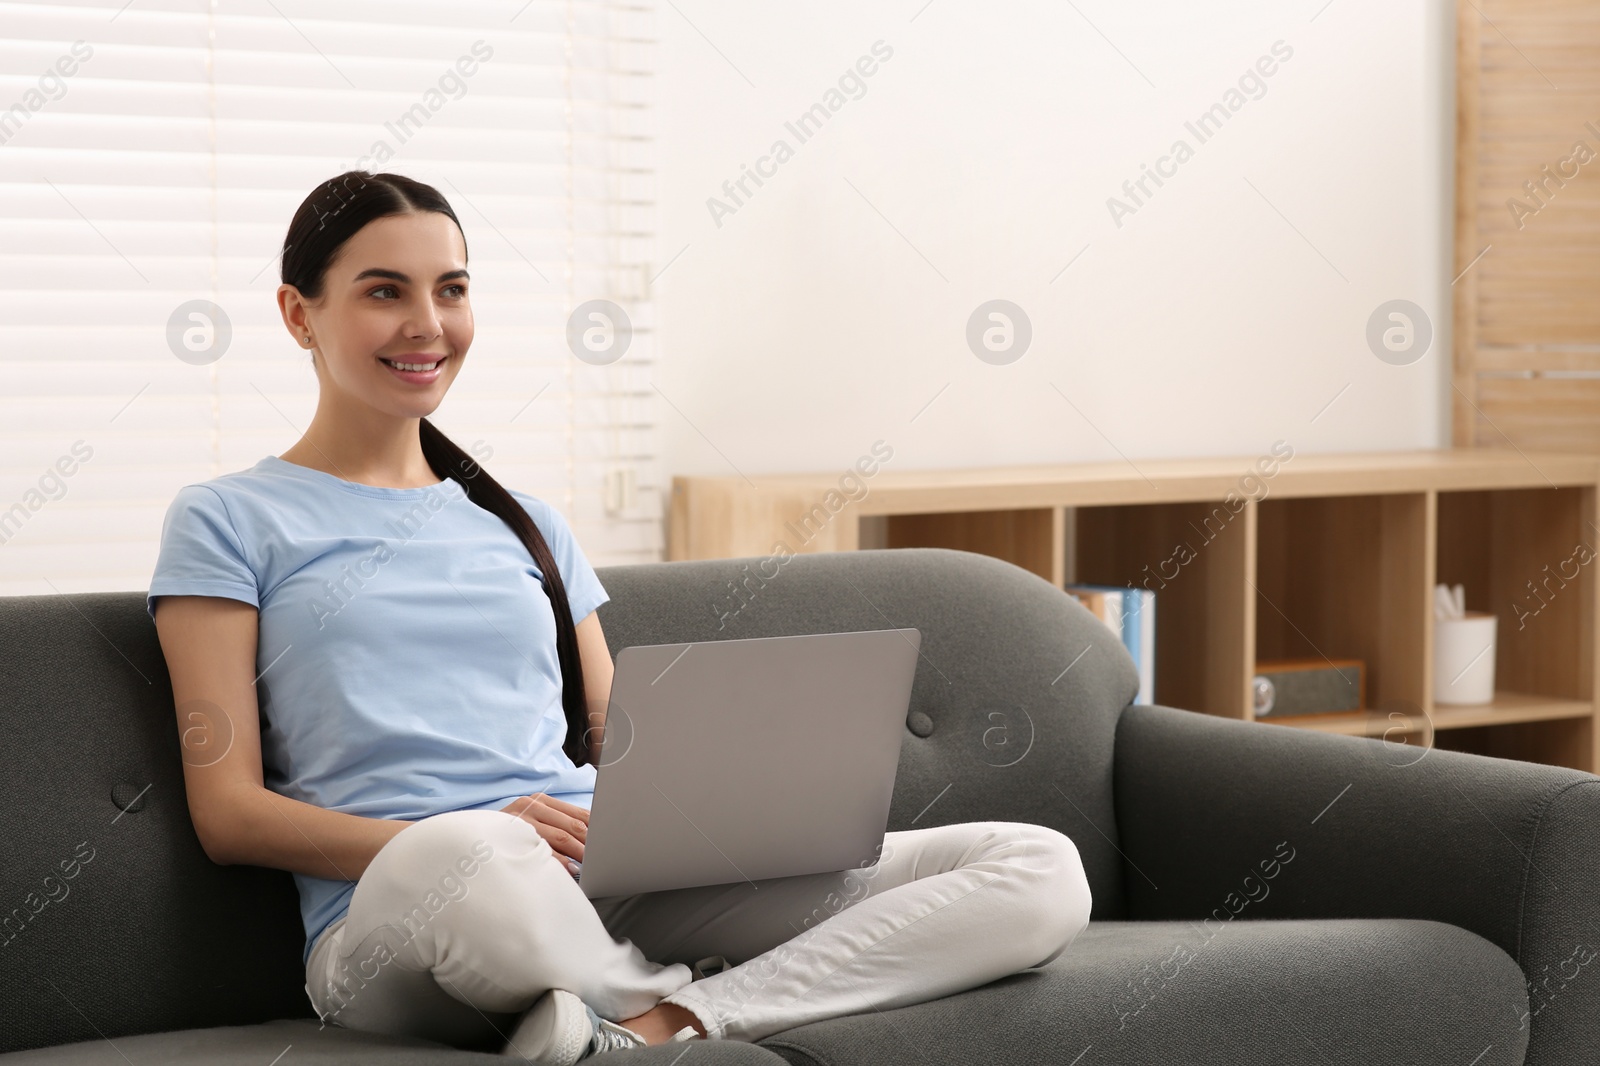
{"x": 1261, "y": 894}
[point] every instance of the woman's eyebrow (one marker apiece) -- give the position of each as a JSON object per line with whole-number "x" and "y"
{"x": 395, "y": 275}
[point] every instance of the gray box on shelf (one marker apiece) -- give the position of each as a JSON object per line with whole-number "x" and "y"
{"x": 1311, "y": 686}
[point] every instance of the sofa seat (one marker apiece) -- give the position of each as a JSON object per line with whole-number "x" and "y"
{"x": 1274, "y": 993}
{"x": 309, "y": 1044}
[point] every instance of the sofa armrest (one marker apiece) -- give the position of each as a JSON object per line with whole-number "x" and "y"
{"x": 1221, "y": 819}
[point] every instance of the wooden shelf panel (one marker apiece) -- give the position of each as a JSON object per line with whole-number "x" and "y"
{"x": 931, "y": 491}
{"x": 1327, "y": 556}
{"x": 1508, "y": 708}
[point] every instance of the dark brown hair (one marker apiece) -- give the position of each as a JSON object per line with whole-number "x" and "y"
{"x": 333, "y": 213}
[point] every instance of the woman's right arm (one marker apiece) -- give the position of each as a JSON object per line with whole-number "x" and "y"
{"x": 210, "y": 646}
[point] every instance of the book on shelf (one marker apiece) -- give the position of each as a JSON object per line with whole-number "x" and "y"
{"x": 1130, "y": 613}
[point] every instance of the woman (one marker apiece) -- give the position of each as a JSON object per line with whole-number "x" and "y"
{"x": 432, "y": 683}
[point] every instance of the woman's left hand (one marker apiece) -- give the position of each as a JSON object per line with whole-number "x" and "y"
{"x": 564, "y": 826}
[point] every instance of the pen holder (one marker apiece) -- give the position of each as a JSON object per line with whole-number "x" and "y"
{"x": 1463, "y": 658}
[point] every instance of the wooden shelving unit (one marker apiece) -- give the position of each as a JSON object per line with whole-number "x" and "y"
{"x": 1332, "y": 556}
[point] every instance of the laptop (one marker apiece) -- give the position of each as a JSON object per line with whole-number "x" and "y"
{"x": 737, "y": 760}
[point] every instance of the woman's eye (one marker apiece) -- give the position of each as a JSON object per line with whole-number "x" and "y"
{"x": 456, "y": 291}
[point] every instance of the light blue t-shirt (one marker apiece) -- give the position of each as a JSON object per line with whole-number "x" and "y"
{"x": 407, "y": 649}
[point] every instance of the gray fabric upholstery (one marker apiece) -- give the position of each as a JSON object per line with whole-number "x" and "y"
{"x": 1254, "y": 994}
{"x": 997, "y": 731}
{"x": 1508, "y": 850}
{"x": 130, "y": 948}
{"x": 308, "y": 1044}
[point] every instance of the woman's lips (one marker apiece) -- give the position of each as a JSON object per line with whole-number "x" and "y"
{"x": 417, "y": 377}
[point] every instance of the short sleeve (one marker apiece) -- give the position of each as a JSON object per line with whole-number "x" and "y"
{"x": 201, "y": 554}
{"x": 584, "y": 591}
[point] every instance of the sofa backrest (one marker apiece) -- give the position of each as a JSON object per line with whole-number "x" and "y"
{"x": 113, "y": 921}
{"x": 995, "y": 729}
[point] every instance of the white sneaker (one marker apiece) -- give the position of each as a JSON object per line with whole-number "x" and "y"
{"x": 561, "y": 1030}
{"x": 711, "y": 964}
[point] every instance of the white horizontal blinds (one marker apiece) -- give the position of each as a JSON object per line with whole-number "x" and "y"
{"x": 165, "y": 167}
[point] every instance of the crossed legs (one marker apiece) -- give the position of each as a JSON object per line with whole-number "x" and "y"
{"x": 463, "y": 920}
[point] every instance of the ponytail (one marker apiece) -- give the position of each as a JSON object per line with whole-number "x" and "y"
{"x": 448, "y": 460}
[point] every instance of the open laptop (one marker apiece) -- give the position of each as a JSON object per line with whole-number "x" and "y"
{"x": 737, "y": 760}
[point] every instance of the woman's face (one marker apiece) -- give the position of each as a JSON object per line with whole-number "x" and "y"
{"x": 395, "y": 292}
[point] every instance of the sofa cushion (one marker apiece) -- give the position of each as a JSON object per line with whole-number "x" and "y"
{"x": 261, "y": 1045}
{"x": 1273, "y": 993}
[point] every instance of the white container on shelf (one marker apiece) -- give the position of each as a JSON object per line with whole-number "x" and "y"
{"x": 1463, "y": 658}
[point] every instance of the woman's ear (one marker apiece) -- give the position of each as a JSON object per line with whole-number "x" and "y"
{"x": 292, "y": 306}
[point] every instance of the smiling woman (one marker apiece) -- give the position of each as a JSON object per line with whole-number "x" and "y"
{"x": 356, "y": 735}
{"x": 459, "y": 702}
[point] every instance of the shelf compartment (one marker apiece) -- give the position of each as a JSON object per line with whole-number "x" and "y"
{"x": 1196, "y": 558}
{"x": 1348, "y": 577}
{"x": 1518, "y": 553}
{"x": 1507, "y": 708}
{"x": 1553, "y": 741}
{"x": 1031, "y": 538}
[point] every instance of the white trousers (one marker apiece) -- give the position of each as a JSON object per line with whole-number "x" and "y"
{"x": 462, "y": 920}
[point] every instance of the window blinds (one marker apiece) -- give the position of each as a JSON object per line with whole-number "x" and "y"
{"x": 152, "y": 154}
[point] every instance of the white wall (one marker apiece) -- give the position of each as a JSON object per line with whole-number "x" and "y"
{"x": 805, "y": 327}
